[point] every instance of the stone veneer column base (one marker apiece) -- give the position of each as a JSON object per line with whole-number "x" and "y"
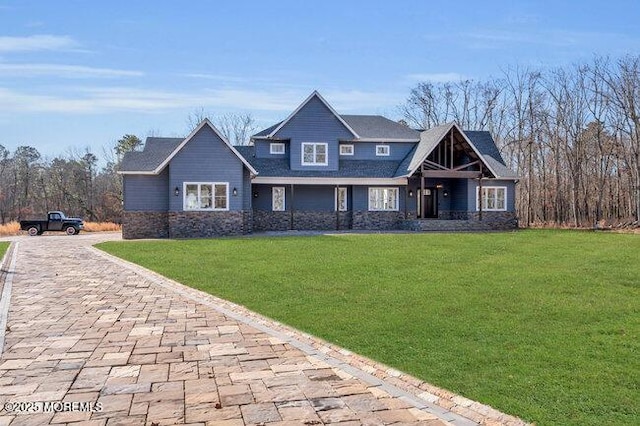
{"x": 137, "y": 225}
{"x": 209, "y": 224}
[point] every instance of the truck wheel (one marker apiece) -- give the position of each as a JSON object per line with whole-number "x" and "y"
{"x": 33, "y": 231}
{"x": 70, "y": 230}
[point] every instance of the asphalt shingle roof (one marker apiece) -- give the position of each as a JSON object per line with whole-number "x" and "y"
{"x": 429, "y": 139}
{"x": 483, "y": 141}
{"x": 368, "y": 127}
{"x": 264, "y": 133}
{"x": 155, "y": 151}
{"x": 379, "y": 127}
{"x": 279, "y": 167}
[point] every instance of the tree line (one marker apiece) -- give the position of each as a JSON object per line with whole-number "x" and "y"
{"x": 31, "y": 185}
{"x": 572, "y": 134}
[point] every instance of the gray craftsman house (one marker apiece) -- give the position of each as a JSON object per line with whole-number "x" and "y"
{"x": 318, "y": 170}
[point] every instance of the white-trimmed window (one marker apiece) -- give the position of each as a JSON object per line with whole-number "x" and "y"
{"x": 346, "y": 149}
{"x": 494, "y": 198}
{"x": 206, "y": 196}
{"x": 277, "y": 199}
{"x": 276, "y": 148}
{"x": 341, "y": 199}
{"x": 383, "y": 199}
{"x": 382, "y": 150}
{"x": 314, "y": 154}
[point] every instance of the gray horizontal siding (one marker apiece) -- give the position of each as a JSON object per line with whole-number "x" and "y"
{"x": 511, "y": 192}
{"x": 146, "y": 192}
{"x": 360, "y": 198}
{"x": 318, "y": 198}
{"x": 206, "y": 158}
{"x": 367, "y": 151}
{"x": 314, "y": 123}
{"x": 263, "y": 149}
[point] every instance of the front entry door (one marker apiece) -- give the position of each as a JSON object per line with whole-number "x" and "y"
{"x": 430, "y": 200}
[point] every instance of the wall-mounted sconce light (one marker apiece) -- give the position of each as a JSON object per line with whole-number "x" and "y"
{"x": 255, "y": 194}
{"x": 439, "y": 186}
{"x": 411, "y": 193}
{"x": 445, "y": 193}
{"x": 176, "y": 191}
{"x": 234, "y": 192}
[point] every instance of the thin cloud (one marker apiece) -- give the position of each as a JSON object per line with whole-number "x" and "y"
{"x": 36, "y": 43}
{"x": 63, "y": 71}
{"x": 218, "y": 77}
{"x": 93, "y": 100}
{"x": 497, "y": 39}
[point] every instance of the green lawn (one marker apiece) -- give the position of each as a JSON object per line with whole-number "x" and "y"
{"x": 3, "y": 248}
{"x": 544, "y": 325}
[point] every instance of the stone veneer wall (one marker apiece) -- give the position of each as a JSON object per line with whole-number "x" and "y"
{"x": 265, "y": 220}
{"x": 144, "y": 225}
{"x": 452, "y": 215}
{"x": 377, "y": 221}
{"x": 209, "y": 224}
{"x": 491, "y": 221}
{"x": 496, "y": 220}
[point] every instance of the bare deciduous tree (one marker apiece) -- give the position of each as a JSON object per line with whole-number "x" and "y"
{"x": 572, "y": 134}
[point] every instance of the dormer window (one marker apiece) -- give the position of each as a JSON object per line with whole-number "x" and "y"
{"x": 276, "y": 148}
{"x": 382, "y": 150}
{"x": 314, "y": 154}
{"x": 346, "y": 149}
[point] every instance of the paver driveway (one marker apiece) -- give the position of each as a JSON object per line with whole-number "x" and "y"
{"x": 126, "y": 347}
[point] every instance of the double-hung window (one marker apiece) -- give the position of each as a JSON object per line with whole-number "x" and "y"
{"x": 206, "y": 196}
{"x": 277, "y": 199}
{"x": 494, "y": 198}
{"x": 382, "y": 150}
{"x": 314, "y": 154}
{"x": 346, "y": 149}
{"x": 276, "y": 148}
{"x": 383, "y": 199}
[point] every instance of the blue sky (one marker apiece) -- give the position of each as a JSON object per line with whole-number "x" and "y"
{"x": 76, "y": 74}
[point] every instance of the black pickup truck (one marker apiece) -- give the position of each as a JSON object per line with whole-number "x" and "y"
{"x": 56, "y": 221}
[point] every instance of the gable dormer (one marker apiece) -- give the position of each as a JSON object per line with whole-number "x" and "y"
{"x": 313, "y": 131}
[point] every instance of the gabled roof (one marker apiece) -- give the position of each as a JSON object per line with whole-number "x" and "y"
{"x": 154, "y": 153}
{"x": 480, "y": 141}
{"x": 379, "y": 128}
{"x": 429, "y": 139}
{"x": 317, "y": 95}
{"x": 265, "y": 133}
{"x": 483, "y": 140}
{"x": 136, "y": 165}
{"x": 369, "y": 128}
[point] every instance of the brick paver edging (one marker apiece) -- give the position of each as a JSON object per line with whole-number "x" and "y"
{"x": 7, "y": 270}
{"x": 447, "y": 405}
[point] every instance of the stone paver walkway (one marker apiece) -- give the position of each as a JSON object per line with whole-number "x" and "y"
{"x": 105, "y": 343}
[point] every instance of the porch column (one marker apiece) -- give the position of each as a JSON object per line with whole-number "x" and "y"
{"x": 337, "y": 201}
{"x": 421, "y": 195}
{"x": 406, "y": 200}
{"x": 479, "y": 201}
{"x": 291, "y": 210}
